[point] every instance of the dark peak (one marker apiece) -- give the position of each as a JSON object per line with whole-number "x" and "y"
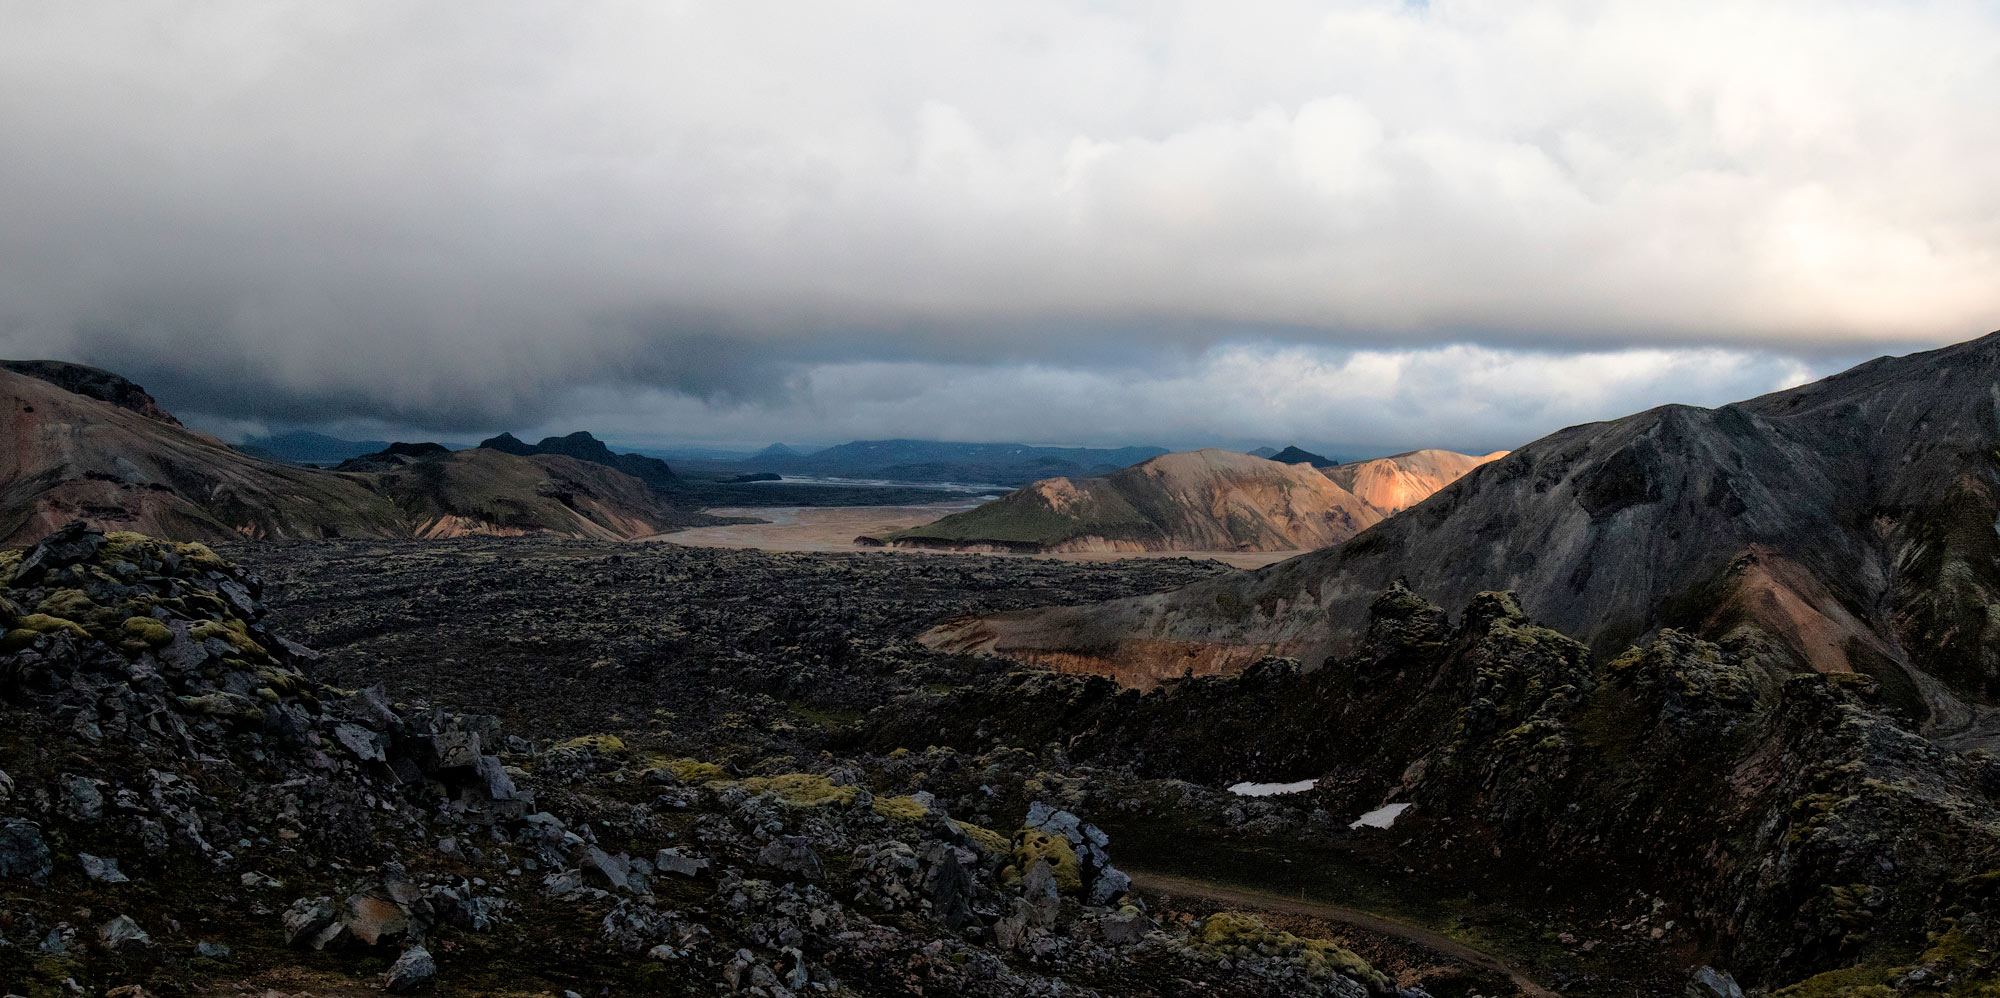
{"x": 401, "y": 449}
{"x": 1296, "y": 455}
{"x": 777, "y": 450}
{"x": 579, "y": 445}
{"x": 91, "y": 382}
{"x": 583, "y": 447}
{"x": 507, "y": 443}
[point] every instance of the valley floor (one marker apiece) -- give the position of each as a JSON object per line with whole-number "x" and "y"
{"x": 743, "y": 657}
{"x": 834, "y": 529}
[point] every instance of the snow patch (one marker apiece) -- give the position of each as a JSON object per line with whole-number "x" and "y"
{"x": 1381, "y": 817}
{"x": 1271, "y": 789}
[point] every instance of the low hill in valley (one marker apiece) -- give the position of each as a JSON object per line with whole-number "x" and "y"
{"x": 1208, "y": 500}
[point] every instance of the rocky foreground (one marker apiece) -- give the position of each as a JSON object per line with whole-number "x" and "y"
{"x": 187, "y": 808}
{"x": 536, "y": 766}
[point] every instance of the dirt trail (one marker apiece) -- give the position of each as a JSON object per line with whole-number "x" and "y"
{"x": 1239, "y": 897}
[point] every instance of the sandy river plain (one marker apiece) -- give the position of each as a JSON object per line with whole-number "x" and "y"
{"x": 834, "y": 528}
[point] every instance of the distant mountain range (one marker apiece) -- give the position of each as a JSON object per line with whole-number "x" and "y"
{"x": 104, "y": 452}
{"x": 878, "y": 460}
{"x": 1207, "y": 500}
{"x": 307, "y": 447}
{"x": 942, "y": 461}
{"x": 584, "y": 447}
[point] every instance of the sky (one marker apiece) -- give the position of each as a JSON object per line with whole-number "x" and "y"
{"x": 1362, "y": 226}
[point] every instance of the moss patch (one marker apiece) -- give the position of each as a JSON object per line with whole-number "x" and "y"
{"x": 600, "y": 744}
{"x": 1233, "y": 933}
{"x": 986, "y": 840}
{"x": 231, "y": 632}
{"x": 800, "y": 789}
{"x": 147, "y": 630}
{"x": 1031, "y": 846}
{"x": 42, "y": 623}
{"x": 901, "y": 808}
{"x": 690, "y": 770}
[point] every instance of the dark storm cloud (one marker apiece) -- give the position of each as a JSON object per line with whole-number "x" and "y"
{"x": 462, "y": 216}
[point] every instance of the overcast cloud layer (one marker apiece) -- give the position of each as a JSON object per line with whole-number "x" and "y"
{"x": 1387, "y": 223}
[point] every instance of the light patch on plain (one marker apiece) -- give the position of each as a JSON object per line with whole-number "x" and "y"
{"x": 1381, "y": 817}
{"x": 1272, "y": 789}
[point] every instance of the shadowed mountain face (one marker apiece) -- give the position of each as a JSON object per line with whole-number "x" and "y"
{"x": 1208, "y": 500}
{"x": 1850, "y": 521}
{"x": 584, "y": 447}
{"x": 66, "y": 455}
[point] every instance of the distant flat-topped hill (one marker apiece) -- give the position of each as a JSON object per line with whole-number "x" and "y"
{"x": 70, "y": 454}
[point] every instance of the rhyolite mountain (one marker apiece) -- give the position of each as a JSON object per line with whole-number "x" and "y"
{"x": 1206, "y": 500}
{"x": 584, "y": 447}
{"x": 481, "y": 490}
{"x": 91, "y": 382}
{"x": 1299, "y": 455}
{"x": 1397, "y": 482}
{"x": 66, "y": 455}
{"x": 1850, "y": 523}
{"x": 69, "y": 454}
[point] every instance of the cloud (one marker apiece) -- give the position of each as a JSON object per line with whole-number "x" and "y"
{"x": 458, "y": 216}
{"x": 1354, "y": 402}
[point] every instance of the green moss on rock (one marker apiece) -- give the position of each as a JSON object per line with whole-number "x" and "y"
{"x": 147, "y": 630}
{"x": 1031, "y": 846}
{"x": 900, "y": 808}
{"x": 602, "y": 744}
{"x": 800, "y": 789}
{"x": 1235, "y": 934}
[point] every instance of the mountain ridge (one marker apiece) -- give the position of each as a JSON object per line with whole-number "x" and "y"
{"x": 73, "y": 456}
{"x": 582, "y": 446}
{"x": 1849, "y": 520}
